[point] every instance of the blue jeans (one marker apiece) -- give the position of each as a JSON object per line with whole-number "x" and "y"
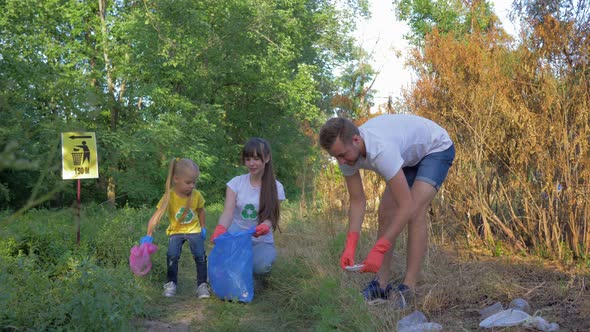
{"x": 264, "y": 254}
{"x": 197, "y": 246}
{"x": 432, "y": 169}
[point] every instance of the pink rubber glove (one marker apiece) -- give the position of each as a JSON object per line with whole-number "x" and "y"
{"x": 261, "y": 229}
{"x": 220, "y": 229}
{"x": 375, "y": 256}
{"x": 347, "y": 258}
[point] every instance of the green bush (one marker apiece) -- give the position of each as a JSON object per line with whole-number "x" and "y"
{"x": 51, "y": 283}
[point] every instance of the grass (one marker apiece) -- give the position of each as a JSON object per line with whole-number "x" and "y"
{"x": 307, "y": 291}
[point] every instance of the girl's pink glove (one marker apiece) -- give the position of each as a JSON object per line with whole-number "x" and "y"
{"x": 375, "y": 256}
{"x": 347, "y": 258}
{"x": 261, "y": 229}
{"x": 220, "y": 229}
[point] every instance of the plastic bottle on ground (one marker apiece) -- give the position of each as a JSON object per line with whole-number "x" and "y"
{"x": 416, "y": 322}
{"x": 520, "y": 304}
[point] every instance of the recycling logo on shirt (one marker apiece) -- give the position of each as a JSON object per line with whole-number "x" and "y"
{"x": 249, "y": 212}
{"x": 188, "y": 218}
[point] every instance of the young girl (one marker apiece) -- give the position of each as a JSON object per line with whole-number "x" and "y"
{"x": 185, "y": 208}
{"x": 252, "y": 199}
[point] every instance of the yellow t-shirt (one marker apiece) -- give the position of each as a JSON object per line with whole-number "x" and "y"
{"x": 176, "y": 207}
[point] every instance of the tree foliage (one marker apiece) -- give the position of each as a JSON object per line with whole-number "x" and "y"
{"x": 456, "y": 18}
{"x": 160, "y": 79}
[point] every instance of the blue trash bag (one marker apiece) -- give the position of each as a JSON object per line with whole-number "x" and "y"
{"x": 231, "y": 266}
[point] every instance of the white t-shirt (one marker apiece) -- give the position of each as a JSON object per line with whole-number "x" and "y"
{"x": 247, "y": 204}
{"x": 394, "y": 141}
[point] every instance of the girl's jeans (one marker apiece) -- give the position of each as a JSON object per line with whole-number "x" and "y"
{"x": 197, "y": 246}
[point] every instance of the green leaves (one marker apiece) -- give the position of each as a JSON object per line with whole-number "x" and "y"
{"x": 447, "y": 17}
{"x": 159, "y": 79}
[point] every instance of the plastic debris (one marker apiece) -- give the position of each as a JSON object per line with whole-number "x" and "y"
{"x": 520, "y": 304}
{"x": 541, "y": 324}
{"x": 493, "y": 309}
{"x": 505, "y": 318}
{"x": 518, "y": 313}
{"x": 417, "y": 322}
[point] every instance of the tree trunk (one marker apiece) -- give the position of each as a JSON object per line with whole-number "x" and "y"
{"x": 111, "y": 195}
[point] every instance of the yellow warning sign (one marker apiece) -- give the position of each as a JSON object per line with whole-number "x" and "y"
{"x": 78, "y": 152}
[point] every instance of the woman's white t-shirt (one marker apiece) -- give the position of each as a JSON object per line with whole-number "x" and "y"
{"x": 394, "y": 141}
{"x": 247, "y": 204}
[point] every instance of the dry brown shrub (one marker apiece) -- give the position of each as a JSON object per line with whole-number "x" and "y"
{"x": 520, "y": 122}
{"x": 521, "y": 126}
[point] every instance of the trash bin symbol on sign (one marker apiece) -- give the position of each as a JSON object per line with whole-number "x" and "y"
{"x": 77, "y": 157}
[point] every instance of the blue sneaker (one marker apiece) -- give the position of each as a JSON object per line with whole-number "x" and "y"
{"x": 374, "y": 294}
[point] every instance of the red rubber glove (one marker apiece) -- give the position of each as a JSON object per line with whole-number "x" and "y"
{"x": 261, "y": 229}
{"x": 375, "y": 256}
{"x": 220, "y": 229}
{"x": 347, "y": 258}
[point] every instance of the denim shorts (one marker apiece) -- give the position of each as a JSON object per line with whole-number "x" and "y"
{"x": 432, "y": 169}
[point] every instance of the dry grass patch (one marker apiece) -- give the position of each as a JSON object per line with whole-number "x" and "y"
{"x": 457, "y": 284}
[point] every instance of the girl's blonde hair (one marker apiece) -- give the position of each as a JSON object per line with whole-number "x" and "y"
{"x": 177, "y": 166}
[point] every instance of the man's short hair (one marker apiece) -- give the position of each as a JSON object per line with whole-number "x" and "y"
{"x": 337, "y": 128}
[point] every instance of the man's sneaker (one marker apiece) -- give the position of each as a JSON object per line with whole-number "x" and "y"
{"x": 374, "y": 294}
{"x": 403, "y": 297}
{"x": 203, "y": 291}
{"x": 170, "y": 289}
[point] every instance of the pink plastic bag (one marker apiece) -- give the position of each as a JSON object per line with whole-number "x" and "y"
{"x": 139, "y": 260}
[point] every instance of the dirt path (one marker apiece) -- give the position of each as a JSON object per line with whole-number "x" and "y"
{"x": 183, "y": 312}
